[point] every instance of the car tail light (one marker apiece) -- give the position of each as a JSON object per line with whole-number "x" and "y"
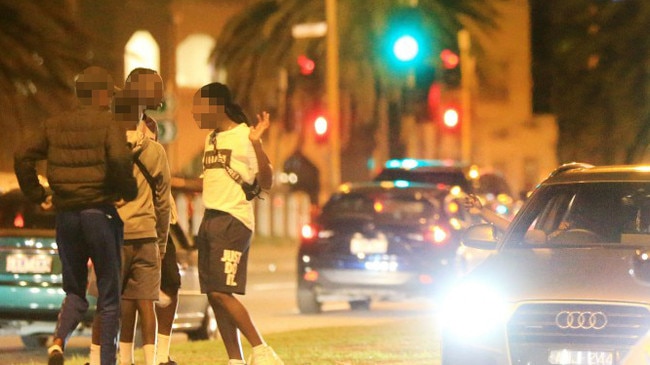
{"x": 309, "y": 232}
{"x": 378, "y": 206}
{"x": 311, "y": 275}
{"x": 437, "y": 235}
{"x": 312, "y": 232}
{"x": 19, "y": 221}
{"x": 426, "y": 279}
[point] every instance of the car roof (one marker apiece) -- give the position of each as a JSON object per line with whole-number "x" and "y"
{"x": 396, "y": 186}
{"x": 425, "y": 164}
{"x": 585, "y": 173}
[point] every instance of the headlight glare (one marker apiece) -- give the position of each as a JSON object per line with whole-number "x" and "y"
{"x": 472, "y": 310}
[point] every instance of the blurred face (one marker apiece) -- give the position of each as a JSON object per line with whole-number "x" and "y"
{"x": 147, "y": 89}
{"x": 207, "y": 112}
{"x": 126, "y": 110}
{"x": 94, "y": 93}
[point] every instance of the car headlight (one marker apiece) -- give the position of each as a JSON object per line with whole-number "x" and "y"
{"x": 473, "y": 309}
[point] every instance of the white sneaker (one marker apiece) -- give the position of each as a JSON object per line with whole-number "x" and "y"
{"x": 265, "y": 356}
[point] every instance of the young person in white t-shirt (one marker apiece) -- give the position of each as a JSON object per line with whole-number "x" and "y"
{"x": 233, "y": 156}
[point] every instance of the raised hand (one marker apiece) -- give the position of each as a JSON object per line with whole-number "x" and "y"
{"x": 263, "y": 123}
{"x": 473, "y": 204}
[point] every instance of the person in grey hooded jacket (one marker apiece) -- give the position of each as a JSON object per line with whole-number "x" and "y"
{"x": 146, "y": 218}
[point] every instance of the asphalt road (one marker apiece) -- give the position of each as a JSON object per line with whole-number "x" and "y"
{"x": 270, "y": 300}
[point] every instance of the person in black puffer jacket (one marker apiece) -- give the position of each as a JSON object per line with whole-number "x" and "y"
{"x": 90, "y": 172}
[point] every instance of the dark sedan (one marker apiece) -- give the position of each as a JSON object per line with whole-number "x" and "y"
{"x": 377, "y": 241}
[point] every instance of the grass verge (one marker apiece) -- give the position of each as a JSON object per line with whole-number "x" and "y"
{"x": 405, "y": 341}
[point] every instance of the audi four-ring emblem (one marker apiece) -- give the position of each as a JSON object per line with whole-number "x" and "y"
{"x": 581, "y": 320}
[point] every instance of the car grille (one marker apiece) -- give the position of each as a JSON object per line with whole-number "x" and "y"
{"x": 534, "y": 329}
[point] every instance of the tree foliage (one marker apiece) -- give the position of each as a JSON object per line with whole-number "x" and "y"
{"x": 599, "y": 60}
{"x": 258, "y": 43}
{"x": 42, "y": 48}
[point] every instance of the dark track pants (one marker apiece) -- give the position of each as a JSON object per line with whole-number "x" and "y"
{"x": 98, "y": 234}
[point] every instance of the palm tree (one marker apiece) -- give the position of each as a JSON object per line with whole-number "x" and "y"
{"x": 598, "y": 63}
{"x": 42, "y": 49}
{"x": 257, "y": 44}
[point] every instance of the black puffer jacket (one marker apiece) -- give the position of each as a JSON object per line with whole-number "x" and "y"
{"x": 88, "y": 161}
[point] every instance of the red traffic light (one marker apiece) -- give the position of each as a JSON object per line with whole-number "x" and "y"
{"x": 307, "y": 65}
{"x": 451, "y": 117}
{"x": 449, "y": 59}
{"x": 321, "y": 128}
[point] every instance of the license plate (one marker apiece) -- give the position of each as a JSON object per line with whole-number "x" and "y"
{"x": 576, "y": 357}
{"x": 29, "y": 264}
{"x": 360, "y": 244}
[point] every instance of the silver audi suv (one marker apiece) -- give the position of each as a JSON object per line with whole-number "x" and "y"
{"x": 559, "y": 286}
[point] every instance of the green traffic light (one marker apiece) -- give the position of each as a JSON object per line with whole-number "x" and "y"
{"x": 405, "y": 48}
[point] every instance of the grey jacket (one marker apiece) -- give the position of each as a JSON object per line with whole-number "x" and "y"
{"x": 146, "y": 217}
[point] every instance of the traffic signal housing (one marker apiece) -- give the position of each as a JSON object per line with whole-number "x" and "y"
{"x": 444, "y": 107}
{"x": 450, "y": 68}
{"x": 406, "y": 40}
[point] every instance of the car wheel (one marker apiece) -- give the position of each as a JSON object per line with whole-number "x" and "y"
{"x": 307, "y": 302}
{"x": 360, "y": 305}
{"x": 35, "y": 341}
{"x": 208, "y": 329}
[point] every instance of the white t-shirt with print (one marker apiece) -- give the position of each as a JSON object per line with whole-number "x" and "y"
{"x": 220, "y": 191}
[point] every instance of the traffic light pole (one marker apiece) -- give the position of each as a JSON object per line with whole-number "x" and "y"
{"x": 467, "y": 82}
{"x": 332, "y": 89}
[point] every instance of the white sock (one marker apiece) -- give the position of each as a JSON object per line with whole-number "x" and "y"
{"x": 259, "y": 348}
{"x": 236, "y": 362}
{"x": 54, "y": 348}
{"x": 149, "y": 354}
{"x": 95, "y": 354}
{"x": 162, "y": 348}
{"x": 126, "y": 353}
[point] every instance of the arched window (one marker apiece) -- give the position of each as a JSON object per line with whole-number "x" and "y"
{"x": 193, "y": 68}
{"x": 141, "y": 51}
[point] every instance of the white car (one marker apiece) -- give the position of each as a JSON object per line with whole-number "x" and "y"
{"x": 559, "y": 287}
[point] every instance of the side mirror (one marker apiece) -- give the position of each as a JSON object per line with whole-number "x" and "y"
{"x": 641, "y": 266}
{"x": 481, "y": 236}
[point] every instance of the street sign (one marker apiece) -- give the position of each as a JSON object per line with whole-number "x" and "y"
{"x": 309, "y": 30}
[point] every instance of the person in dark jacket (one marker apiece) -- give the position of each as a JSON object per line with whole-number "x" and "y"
{"x": 89, "y": 171}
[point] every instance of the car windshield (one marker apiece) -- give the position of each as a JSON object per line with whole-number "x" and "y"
{"x": 381, "y": 208}
{"x": 16, "y": 212}
{"x": 567, "y": 215}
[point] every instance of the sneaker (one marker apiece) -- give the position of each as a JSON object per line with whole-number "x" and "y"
{"x": 265, "y": 356}
{"x": 169, "y": 362}
{"x": 55, "y": 357}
